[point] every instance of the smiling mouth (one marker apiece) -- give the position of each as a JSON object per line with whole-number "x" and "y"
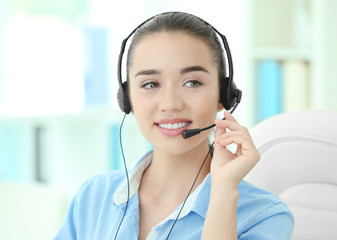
{"x": 173, "y": 126}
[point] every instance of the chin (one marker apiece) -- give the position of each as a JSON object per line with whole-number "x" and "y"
{"x": 179, "y": 146}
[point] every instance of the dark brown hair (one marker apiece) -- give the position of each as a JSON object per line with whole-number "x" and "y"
{"x": 184, "y": 22}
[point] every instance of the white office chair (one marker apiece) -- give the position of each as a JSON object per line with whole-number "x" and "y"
{"x": 30, "y": 211}
{"x": 299, "y": 164}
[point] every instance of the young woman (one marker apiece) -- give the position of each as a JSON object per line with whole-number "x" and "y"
{"x": 175, "y": 69}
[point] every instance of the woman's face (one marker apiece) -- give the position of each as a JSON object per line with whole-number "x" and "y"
{"x": 173, "y": 86}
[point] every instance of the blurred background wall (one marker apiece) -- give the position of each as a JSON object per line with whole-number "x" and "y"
{"x": 59, "y": 119}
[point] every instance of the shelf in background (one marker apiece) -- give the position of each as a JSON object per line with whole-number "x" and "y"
{"x": 104, "y": 113}
{"x": 282, "y": 54}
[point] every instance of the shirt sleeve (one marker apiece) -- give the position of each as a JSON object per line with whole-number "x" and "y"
{"x": 91, "y": 209}
{"x": 68, "y": 228}
{"x": 275, "y": 223}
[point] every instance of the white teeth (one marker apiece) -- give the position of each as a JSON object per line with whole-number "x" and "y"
{"x": 173, "y": 126}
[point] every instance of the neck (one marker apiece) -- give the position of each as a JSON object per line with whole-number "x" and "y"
{"x": 173, "y": 175}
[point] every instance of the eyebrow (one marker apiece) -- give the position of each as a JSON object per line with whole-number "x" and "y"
{"x": 193, "y": 69}
{"x": 182, "y": 71}
{"x": 148, "y": 72}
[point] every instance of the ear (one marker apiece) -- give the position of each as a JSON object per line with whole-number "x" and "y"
{"x": 220, "y": 106}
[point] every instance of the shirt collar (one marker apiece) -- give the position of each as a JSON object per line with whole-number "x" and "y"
{"x": 201, "y": 202}
{"x": 121, "y": 195}
{"x": 197, "y": 201}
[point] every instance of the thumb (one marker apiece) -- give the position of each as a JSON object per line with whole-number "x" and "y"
{"x": 219, "y": 130}
{"x": 229, "y": 116}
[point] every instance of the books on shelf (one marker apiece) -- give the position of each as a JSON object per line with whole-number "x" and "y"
{"x": 295, "y": 85}
{"x": 16, "y": 155}
{"x": 41, "y": 163}
{"x": 23, "y": 153}
{"x": 268, "y": 88}
{"x": 281, "y": 86}
{"x": 96, "y": 79}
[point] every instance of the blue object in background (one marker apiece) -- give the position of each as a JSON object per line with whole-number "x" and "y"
{"x": 135, "y": 145}
{"x": 96, "y": 67}
{"x": 269, "y": 89}
{"x": 15, "y": 155}
{"x": 114, "y": 147}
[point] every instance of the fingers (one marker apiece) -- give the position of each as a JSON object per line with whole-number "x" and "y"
{"x": 235, "y": 130}
{"x": 219, "y": 130}
{"x": 229, "y": 122}
{"x": 233, "y": 136}
{"x": 229, "y": 116}
{"x": 238, "y": 134}
{"x": 245, "y": 145}
{"x": 225, "y": 163}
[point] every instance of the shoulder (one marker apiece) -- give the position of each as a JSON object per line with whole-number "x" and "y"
{"x": 108, "y": 178}
{"x": 249, "y": 192}
{"x": 91, "y": 199}
{"x": 258, "y": 208}
{"x": 256, "y": 200}
{"x": 100, "y": 186}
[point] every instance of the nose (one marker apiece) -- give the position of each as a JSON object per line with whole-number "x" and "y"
{"x": 170, "y": 99}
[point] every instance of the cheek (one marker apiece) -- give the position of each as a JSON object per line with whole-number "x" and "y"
{"x": 141, "y": 104}
{"x": 209, "y": 100}
{"x": 141, "y": 110}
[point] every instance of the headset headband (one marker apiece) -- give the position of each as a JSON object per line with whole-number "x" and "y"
{"x": 223, "y": 38}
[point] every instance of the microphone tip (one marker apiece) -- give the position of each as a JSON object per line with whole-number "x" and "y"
{"x": 190, "y": 133}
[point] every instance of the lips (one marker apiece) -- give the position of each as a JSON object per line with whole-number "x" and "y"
{"x": 172, "y": 127}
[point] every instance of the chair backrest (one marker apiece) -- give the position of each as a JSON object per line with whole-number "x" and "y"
{"x": 299, "y": 164}
{"x": 30, "y": 211}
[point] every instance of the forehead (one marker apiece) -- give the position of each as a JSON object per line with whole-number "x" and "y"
{"x": 178, "y": 47}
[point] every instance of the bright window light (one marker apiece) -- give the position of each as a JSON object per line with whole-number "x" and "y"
{"x": 43, "y": 66}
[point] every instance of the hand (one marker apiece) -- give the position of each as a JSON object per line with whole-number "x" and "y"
{"x": 227, "y": 167}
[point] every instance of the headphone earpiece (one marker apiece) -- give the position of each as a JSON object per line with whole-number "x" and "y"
{"x": 123, "y": 98}
{"x": 228, "y": 93}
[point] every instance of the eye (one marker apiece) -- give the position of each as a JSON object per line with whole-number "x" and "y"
{"x": 150, "y": 85}
{"x": 193, "y": 84}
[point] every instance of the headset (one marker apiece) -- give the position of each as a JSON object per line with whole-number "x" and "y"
{"x": 230, "y": 95}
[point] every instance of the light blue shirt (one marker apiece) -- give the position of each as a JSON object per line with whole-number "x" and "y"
{"x": 98, "y": 207}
